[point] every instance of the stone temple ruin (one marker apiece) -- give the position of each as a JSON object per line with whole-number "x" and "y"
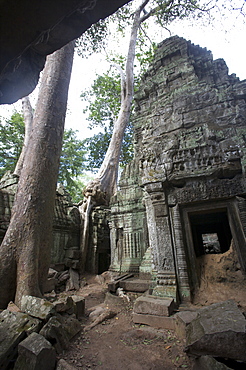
{"x": 175, "y": 228}
{"x": 182, "y": 199}
{"x": 179, "y": 216}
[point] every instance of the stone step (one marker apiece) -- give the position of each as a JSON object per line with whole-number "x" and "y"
{"x": 135, "y": 285}
{"x": 114, "y": 285}
{"x": 151, "y": 305}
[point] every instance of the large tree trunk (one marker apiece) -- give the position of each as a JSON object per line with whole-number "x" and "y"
{"x": 100, "y": 190}
{"x": 25, "y": 250}
{"x": 28, "y": 119}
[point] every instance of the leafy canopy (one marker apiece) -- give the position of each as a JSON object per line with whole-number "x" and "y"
{"x": 103, "y": 105}
{"x": 72, "y": 161}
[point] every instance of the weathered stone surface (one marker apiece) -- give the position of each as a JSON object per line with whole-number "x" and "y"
{"x": 14, "y": 327}
{"x": 159, "y": 322}
{"x": 114, "y": 285}
{"x": 208, "y": 363}
{"x": 64, "y": 365}
{"x": 73, "y": 281}
{"x": 219, "y": 330}
{"x": 182, "y": 320}
{"x": 60, "y": 330}
{"x": 35, "y": 353}
{"x": 154, "y": 306}
{"x": 37, "y": 307}
{"x": 98, "y": 259}
{"x": 135, "y": 285}
{"x": 65, "y": 304}
{"x": 79, "y": 306}
{"x": 66, "y": 226}
{"x": 189, "y": 165}
{"x": 12, "y": 307}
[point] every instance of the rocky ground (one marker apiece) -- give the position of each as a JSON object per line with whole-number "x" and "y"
{"x": 118, "y": 343}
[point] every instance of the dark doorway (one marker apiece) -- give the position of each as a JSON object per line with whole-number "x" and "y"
{"x": 211, "y": 232}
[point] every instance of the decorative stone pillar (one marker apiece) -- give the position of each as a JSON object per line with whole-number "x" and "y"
{"x": 160, "y": 238}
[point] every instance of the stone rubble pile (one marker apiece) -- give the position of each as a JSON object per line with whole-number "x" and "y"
{"x": 32, "y": 335}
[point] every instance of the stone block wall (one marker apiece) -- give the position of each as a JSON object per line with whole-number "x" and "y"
{"x": 190, "y": 158}
{"x": 66, "y": 224}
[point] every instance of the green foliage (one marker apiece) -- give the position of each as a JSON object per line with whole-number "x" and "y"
{"x": 103, "y": 105}
{"x": 93, "y": 40}
{"x": 11, "y": 141}
{"x": 72, "y": 161}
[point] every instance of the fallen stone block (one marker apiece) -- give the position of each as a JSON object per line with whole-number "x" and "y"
{"x": 218, "y": 331}
{"x": 154, "y": 306}
{"x": 135, "y": 285}
{"x": 59, "y": 331}
{"x": 208, "y": 363}
{"x": 159, "y": 322}
{"x": 65, "y": 304}
{"x": 35, "y": 353}
{"x": 64, "y": 365}
{"x": 182, "y": 320}
{"x": 55, "y": 333}
{"x": 73, "y": 281}
{"x": 14, "y": 327}
{"x": 79, "y": 306}
{"x": 37, "y": 307}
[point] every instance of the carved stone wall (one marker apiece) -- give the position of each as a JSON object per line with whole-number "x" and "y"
{"x": 128, "y": 224}
{"x": 98, "y": 256}
{"x": 190, "y": 134}
{"x": 66, "y": 224}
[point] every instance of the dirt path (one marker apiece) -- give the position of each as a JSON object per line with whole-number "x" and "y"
{"x": 118, "y": 343}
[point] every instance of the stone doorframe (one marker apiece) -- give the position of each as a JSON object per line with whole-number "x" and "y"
{"x": 235, "y": 209}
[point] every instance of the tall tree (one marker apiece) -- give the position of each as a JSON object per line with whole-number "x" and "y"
{"x": 72, "y": 160}
{"x": 25, "y": 250}
{"x": 103, "y": 186}
{"x": 103, "y": 104}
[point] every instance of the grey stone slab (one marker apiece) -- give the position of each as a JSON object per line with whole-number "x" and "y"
{"x": 135, "y": 285}
{"x": 35, "y": 353}
{"x": 79, "y": 306}
{"x": 219, "y": 331}
{"x": 73, "y": 281}
{"x": 154, "y": 306}
{"x": 159, "y": 322}
{"x": 114, "y": 285}
{"x": 60, "y": 330}
{"x": 14, "y": 327}
{"x": 182, "y": 320}
{"x": 37, "y": 307}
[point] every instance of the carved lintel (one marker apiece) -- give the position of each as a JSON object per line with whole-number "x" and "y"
{"x": 154, "y": 187}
